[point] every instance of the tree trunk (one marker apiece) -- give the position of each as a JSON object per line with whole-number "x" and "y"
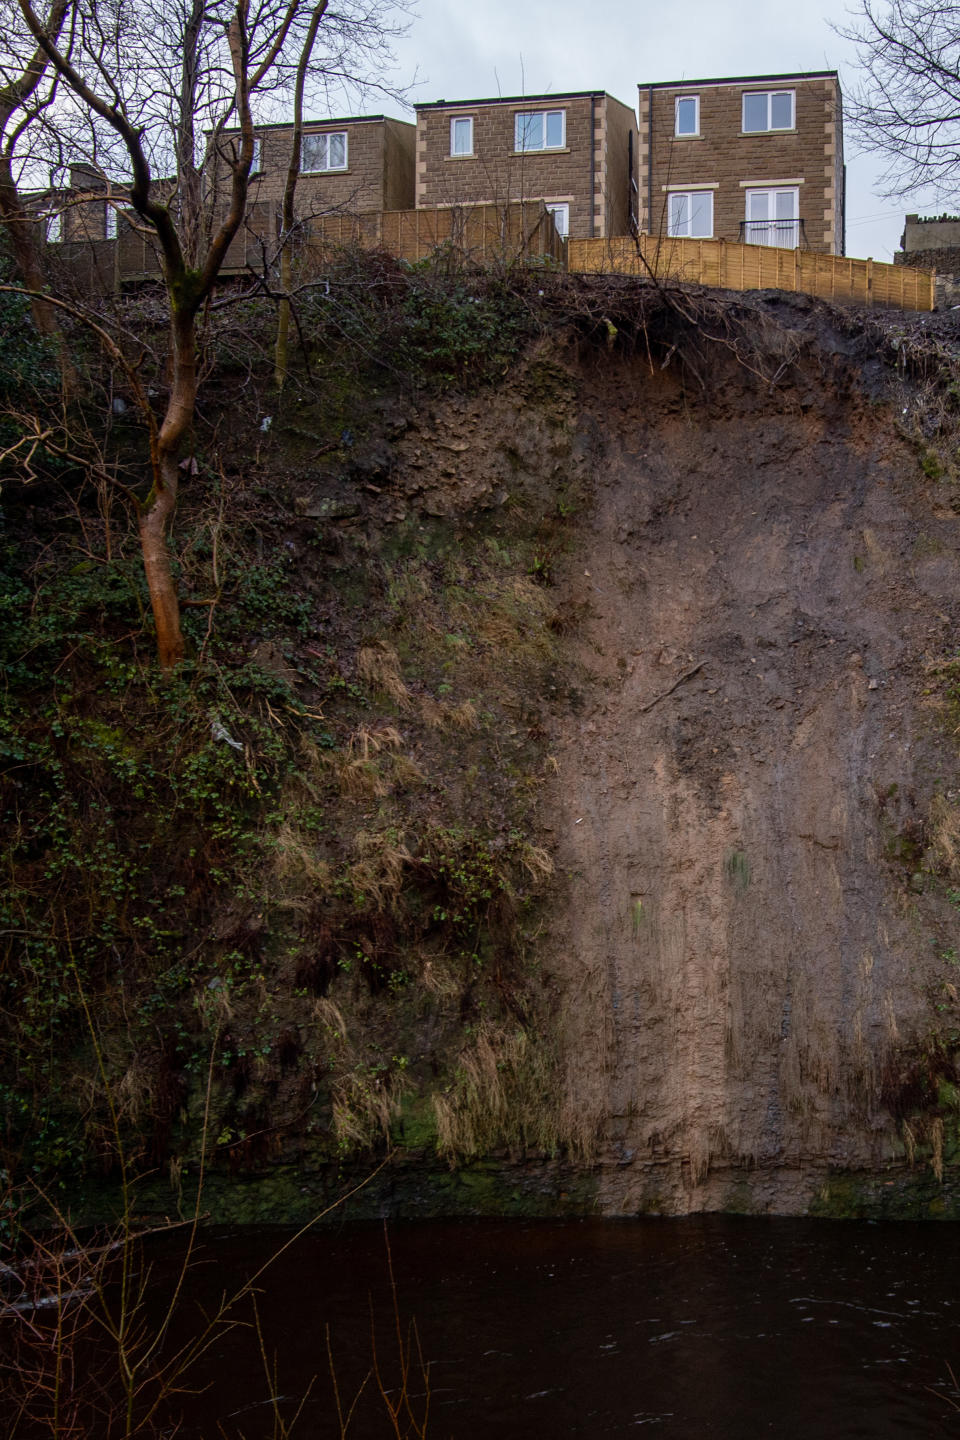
{"x": 157, "y": 512}
{"x": 281, "y": 353}
{"x": 154, "y": 525}
{"x": 23, "y": 234}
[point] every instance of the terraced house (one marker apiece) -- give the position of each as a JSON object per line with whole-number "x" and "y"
{"x": 757, "y": 159}
{"x": 576, "y": 152}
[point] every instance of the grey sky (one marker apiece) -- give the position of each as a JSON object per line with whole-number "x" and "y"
{"x": 509, "y": 48}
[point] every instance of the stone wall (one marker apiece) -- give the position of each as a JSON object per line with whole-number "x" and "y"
{"x": 589, "y": 173}
{"x": 728, "y": 161}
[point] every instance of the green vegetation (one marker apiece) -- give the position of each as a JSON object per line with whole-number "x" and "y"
{"x": 311, "y": 846}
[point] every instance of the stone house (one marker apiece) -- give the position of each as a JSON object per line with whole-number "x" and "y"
{"x": 364, "y": 162}
{"x": 757, "y": 159}
{"x": 576, "y": 152}
{"x": 931, "y": 242}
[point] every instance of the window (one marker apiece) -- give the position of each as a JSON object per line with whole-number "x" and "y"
{"x": 768, "y": 110}
{"x": 54, "y": 229}
{"x": 690, "y": 213}
{"x": 687, "y": 120}
{"x": 324, "y": 152}
{"x": 109, "y": 222}
{"x": 540, "y": 130}
{"x": 461, "y": 135}
{"x": 773, "y": 218}
{"x": 256, "y": 164}
{"x": 561, "y": 219}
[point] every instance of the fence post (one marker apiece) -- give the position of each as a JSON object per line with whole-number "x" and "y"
{"x": 870, "y": 280}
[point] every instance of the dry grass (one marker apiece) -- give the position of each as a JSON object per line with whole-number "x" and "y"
{"x": 378, "y": 666}
{"x": 382, "y": 861}
{"x": 370, "y": 767}
{"x": 945, "y": 836}
{"x": 505, "y": 1095}
{"x": 536, "y": 862}
{"x": 365, "y": 1105}
{"x": 296, "y": 859}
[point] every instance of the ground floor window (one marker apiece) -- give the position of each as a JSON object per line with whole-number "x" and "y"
{"x": 773, "y": 218}
{"x": 561, "y": 219}
{"x": 690, "y": 214}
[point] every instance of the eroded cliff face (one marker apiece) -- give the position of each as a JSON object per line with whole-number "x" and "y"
{"x": 752, "y": 941}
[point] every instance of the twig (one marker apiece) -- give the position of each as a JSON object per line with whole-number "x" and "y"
{"x": 669, "y": 691}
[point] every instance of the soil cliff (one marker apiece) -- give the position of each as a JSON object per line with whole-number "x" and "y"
{"x": 760, "y": 791}
{"x": 562, "y": 795}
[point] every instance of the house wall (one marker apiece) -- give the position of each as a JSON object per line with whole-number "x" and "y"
{"x": 399, "y": 164}
{"x": 927, "y": 235}
{"x": 378, "y": 174}
{"x": 583, "y": 175}
{"x": 614, "y": 173}
{"x": 723, "y": 157}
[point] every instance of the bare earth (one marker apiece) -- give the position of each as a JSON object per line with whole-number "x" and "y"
{"x": 737, "y": 959}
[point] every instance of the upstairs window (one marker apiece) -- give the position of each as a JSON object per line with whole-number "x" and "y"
{"x": 540, "y": 130}
{"x": 53, "y": 228}
{"x": 256, "y": 164}
{"x": 687, "y": 120}
{"x": 109, "y": 222}
{"x": 324, "y": 152}
{"x": 690, "y": 214}
{"x": 461, "y": 135}
{"x": 768, "y": 110}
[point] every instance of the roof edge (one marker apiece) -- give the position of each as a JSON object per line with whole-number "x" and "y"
{"x": 516, "y": 99}
{"x": 739, "y": 79}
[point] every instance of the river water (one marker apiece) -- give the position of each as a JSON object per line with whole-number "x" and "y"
{"x": 706, "y": 1326}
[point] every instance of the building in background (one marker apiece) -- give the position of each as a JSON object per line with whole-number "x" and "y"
{"x": 364, "y": 162}
{"x": 757, "y": 159}
{"x": 575, "y": 152}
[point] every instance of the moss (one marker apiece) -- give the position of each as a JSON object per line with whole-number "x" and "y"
{"x": 900, "y": 1195}
{"x": 416, "y": 1127}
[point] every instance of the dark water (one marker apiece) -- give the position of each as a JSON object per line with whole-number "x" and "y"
{"x": 707, "y": 1326}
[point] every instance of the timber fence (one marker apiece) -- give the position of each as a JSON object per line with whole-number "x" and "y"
{"x": 482, "y": 235}
{"x": 728, "y": 265}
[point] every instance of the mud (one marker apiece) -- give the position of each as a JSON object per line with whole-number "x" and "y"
{"x": 740, "y": 953}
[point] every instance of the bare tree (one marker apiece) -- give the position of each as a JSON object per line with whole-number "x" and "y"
{"x": 166, "y": 91}
{"x": 22, "y": 72}
{"x": 907, "y": 105}
{"x": 288, "y": 213}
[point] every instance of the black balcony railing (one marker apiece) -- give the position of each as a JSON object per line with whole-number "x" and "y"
{"x": 787, "y": 234}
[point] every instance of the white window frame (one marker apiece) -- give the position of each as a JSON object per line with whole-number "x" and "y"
{"x": 456, "y": 120}
{"x": 521, "y": 124}
{"x": 326, "y": 136}
{"x": 560, "y": 210}
{"x": 689, "y": 196}
{"x": 109, "y": 221}
{"x": 53, "y": 227}
{"x": 776, "y": 239}
{"x": 686, "y": 100}
{"x": 768, "y": 96}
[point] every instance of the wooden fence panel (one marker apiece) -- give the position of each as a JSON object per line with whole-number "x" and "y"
{"x": 732, "y": 266}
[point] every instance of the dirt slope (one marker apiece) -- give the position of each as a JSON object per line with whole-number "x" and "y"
{"x": 740, "y": 964}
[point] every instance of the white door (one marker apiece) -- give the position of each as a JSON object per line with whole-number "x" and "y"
{"x": 773, "y": 218}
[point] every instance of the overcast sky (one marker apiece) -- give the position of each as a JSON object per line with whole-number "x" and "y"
{"x": 466, "y": 52}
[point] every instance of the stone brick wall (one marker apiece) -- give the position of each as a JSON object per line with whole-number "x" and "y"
{"x": 378, "y": 176}
{"x": 946, "y": 259}
{"x": 723, "y": 157}
{"x": 589, "y": 173}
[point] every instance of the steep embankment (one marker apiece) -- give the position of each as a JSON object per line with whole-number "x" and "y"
{"x": 562, "y": 791}
{"x": 757, "y": 804}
